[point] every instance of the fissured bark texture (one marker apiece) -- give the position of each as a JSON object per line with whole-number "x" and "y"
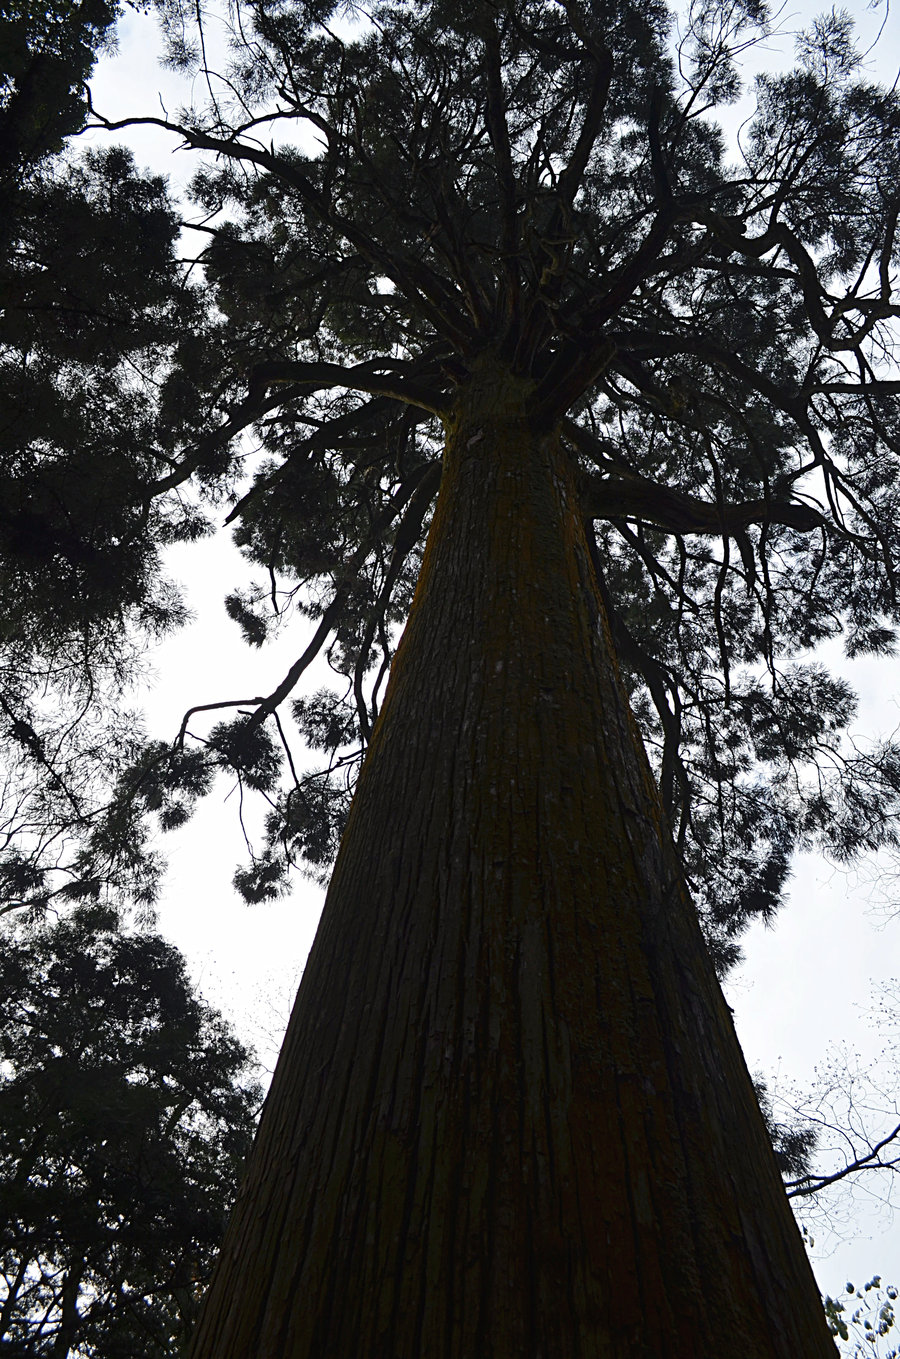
{"x": 511, "y": 1116}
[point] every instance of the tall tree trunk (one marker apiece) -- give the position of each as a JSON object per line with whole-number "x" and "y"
{"x": 511, "y": 1116}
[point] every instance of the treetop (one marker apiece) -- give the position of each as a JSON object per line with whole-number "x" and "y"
{"x": 387, "y": 197}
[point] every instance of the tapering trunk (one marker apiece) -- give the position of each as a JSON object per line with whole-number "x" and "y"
{"x": 511, "y": 1116}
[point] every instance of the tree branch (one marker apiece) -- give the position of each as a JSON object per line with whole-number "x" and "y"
{"x": 414, "y": 279}
{"x": 812, "y": 1184}
{"x": 329, "y": 618}
{"x": 378, "y": 377}
{"x": 404, "y": 541}
{"x": 676, "y": 512}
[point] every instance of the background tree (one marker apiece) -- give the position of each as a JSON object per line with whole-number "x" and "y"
{"x": 47, "y": 53}
{"x": 126, "y": 1109}
{"x": 95, "y": 301}
{"x": 866, "y": 1329}
{"x": 126, "y": 1104}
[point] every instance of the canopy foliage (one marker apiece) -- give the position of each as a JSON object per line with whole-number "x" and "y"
{"x": 378, "y": 203}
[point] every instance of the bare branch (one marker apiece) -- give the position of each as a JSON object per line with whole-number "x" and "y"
{"x": 872, "y": 1160}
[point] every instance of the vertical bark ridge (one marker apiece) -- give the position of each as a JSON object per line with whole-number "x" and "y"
{"x": 511, "y": 1117}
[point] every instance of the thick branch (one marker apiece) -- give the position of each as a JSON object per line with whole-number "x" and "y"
{"x": 779, "y": 236}
{"x": 569, "y": 181}
{"x": 196, "y": 454}
{"x": 495, "y": 115}
{"x": 379, "y": 377}
{"x": 676, "y": 512}
{"x": 586, "y": 349}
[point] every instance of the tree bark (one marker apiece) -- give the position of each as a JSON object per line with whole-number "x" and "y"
{"x": 511, "y": 1116}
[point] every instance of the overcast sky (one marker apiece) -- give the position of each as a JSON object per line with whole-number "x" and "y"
{"x": 808, "y": 986}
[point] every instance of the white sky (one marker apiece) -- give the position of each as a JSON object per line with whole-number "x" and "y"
{"x": 807, "y": 984}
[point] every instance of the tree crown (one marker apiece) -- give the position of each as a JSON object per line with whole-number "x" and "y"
{"x": 387, "y": 207}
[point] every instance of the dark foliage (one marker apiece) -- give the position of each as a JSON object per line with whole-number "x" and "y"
{"x": 47, "y": 53}
{"x": 95, "y": 306}
{"x": 794, "y": 1142}
{"x": 710, "y": 329}
{"x": 709, "y": 326}
{"x": 125, "y": 1115}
